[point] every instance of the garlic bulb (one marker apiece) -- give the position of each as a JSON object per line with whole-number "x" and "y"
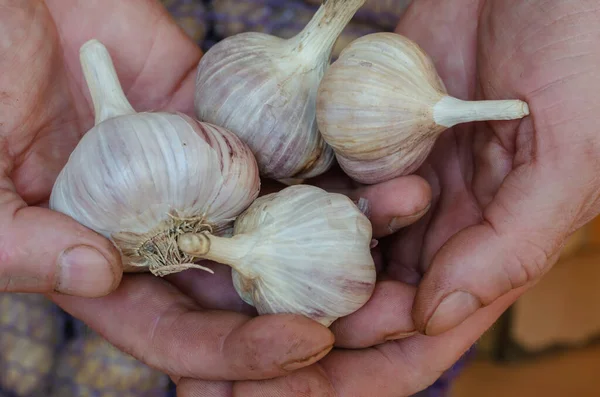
{"x": 382, "y": 105}
{"x": 263, "y": 89}
{"x": 301, "y": 250}
{"x": 141, "y": 179}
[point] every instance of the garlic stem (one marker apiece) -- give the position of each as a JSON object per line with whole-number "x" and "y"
{"x": 225, "y": 250}
{"x": 450, "y": 111}
{"x": 103, "y": 83}
{"x": 322, "y": 31}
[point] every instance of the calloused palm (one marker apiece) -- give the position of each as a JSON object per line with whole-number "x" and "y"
{"x": 505, "y": 195}
{"x": 189, "y": 325}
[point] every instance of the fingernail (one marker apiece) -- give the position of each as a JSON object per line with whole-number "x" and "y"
{"x": 400, "y": 222}
{"x": 297, "y": 364}
{"x": 453, "y": 310}
{"x": 83, "y": 271}
{"x": 399, "y": 335}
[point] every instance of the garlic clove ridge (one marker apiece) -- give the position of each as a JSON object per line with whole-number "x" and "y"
{"x": 142, "y": 179}
{"x": 382, "y": 105}
{"x": 263, "y": 88}
{"x": 301, "y": 250}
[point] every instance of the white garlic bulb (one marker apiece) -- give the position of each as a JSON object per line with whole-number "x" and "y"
{"x": 301, "y": 250}
{"x": 141, "y": 179}
{"x": 263, "y": 89}
{"x": 382, "y": 105}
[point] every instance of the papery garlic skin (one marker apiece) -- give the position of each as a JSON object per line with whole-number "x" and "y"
{"x": 301, "y": 250}
{"x": 264, "y": 89}
{"x": 141, "y": 179}
{"x": 244, "y": 94}
{"x": 382, "y": 105}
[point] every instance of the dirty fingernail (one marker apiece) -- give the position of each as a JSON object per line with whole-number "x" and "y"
{"x": 400, "y": 222}
{"x": 297, "y": 364}
{"x": 399, "y": 335}
{"x": 84, "y": 271}
{"x": 453, "y": 310}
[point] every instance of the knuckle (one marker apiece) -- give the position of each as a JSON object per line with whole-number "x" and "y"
{"x": 532, "y": 262}
{"x": 158, "y": 351}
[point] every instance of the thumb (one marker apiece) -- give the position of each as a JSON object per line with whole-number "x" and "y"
{"x": 518, "y": 241}
{"x": 45, "y": 251}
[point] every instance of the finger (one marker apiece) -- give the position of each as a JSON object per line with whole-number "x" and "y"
{"x": 44, "y": 251}
{"x": 405, "y": 249}
{"x": 395, "y": 369}
{"x": 211, "y": 291}
{"x": 151, "y": 320}
{"x": 143, "y": 40}
{"x": 523, "y": 230}
{"x": 200, "y": 388}
{"x": 306, "y": 382}
{"x": 454, "y": 205}
{"x": 395, "y": 204}
{"x": 455, "y": 60}
{"x": 408, "y": 366}
{"x": 386, "y": 316}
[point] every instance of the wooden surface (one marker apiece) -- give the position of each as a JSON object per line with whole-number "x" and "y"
{"x": 576, "y": 373}
{"x": 563, "y": 308}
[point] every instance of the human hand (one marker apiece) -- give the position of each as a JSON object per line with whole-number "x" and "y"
{"x": 212, "y": 334}
{"x": 44, "y": 110}
{"x": 505, "y": 195}
{"x": 40, "y": 250}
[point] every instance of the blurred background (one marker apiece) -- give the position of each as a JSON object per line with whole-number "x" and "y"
{"x": 545, "y": 345}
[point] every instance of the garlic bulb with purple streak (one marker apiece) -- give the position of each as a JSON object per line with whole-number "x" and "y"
{"x": 263, "y": 89}
{"x": 142, "y": 179}
{"x": 382, "y": 105}
{"x": 301, "y": 250}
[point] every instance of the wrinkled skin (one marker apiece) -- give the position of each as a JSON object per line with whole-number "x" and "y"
{"x": 179, "y": 327}
{"x": 503, "y": 198}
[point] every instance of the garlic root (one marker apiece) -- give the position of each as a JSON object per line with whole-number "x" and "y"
{"x": 143, "y": 179}
{"x": 157, "y": 250}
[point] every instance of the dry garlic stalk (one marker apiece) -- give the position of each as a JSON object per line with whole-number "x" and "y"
{"x": 240, "y": 16}
{"x": 382, "y": 13}
{"x": 142, "y": 179}
{"x": 263, "y": 88}
{"x": 301, "y": 250}
{"x": 382, "y": 105}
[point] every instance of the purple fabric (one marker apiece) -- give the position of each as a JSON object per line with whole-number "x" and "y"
{"x": 385, "y": 16}
{"x": 44, "y": 352}
{"x": 275, "y": 16}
